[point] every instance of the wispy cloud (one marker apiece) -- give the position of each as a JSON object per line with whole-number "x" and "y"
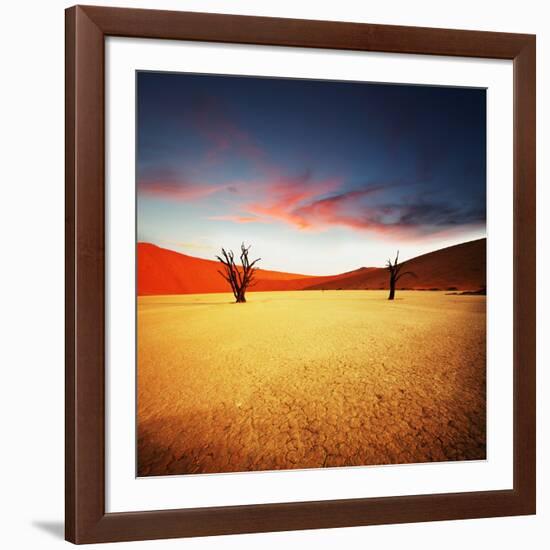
{"x": 213, "y": 121}
{"x": 177, "y": 191}
{"x": 338, "y": 209}
{"x": 307, "y": 201}
{"x": 170, "y": 184}
{"x": 225, "y": 140}
{"x": 238, "y": 219}
{"x": 282, "y": 198}
{"x": 303, "y": 203}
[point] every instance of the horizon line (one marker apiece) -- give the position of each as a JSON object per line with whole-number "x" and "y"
{"x": 214, "y": 260}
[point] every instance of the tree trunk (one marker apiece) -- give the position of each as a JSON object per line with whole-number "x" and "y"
{"x": 392, "y": 289}
{"x": 395, "y": 274}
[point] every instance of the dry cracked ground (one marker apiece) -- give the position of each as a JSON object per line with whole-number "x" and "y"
{"x": 309, "y": 379}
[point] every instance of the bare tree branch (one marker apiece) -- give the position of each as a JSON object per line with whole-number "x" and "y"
{"x": 239, "y": 277}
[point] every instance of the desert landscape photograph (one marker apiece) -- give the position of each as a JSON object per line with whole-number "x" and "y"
{"x": 310, "y": 274}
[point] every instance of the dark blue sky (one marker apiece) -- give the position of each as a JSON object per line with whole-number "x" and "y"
{"x": 308, "y": 163}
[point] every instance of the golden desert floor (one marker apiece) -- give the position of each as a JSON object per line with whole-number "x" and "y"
{"x": 307, "y": 379}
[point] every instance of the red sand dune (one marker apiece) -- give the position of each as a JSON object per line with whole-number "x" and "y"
{"x": 162, "y": 271}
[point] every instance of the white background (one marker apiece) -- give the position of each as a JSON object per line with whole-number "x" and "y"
{"x": 124, "y": 491}
{"x": 31, "y": 219}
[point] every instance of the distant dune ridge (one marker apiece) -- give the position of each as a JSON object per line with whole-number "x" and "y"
{"x": 459, "y": 267}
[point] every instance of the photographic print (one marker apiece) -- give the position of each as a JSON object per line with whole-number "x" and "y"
{"x": 311, "y": 274}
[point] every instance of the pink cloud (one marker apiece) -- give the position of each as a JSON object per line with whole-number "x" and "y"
{"x": 409, "y": 219}
{"x": 283, "y": 198}
{"x": 338, "y": 210}
{"x": 302, "y": 203}
{"x": 177, "y": 190}
{"x": 238, "y": 219}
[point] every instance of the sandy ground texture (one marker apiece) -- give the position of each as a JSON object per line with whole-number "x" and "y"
{"x": 308, "y": 379}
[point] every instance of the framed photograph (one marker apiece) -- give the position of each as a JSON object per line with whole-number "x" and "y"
{"x": 300, "y": 274}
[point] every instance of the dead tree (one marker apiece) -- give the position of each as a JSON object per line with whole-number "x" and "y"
{"x": 239, "y": 277}
{"x": 395, "y": 274}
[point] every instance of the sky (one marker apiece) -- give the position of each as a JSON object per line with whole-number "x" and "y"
{"x": 320, "y": 177}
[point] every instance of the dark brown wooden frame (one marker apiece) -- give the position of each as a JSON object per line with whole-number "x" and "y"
{"x": 86, "y": 29}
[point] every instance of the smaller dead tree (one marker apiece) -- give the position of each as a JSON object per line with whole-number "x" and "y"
{"x": 239, "y": 277}
{"x": 396, "y": 274}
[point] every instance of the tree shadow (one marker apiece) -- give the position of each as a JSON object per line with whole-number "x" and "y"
{"x": 54, "y": 528}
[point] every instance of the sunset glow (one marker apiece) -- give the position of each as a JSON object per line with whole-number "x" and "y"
{"x": 320, "y": 177}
